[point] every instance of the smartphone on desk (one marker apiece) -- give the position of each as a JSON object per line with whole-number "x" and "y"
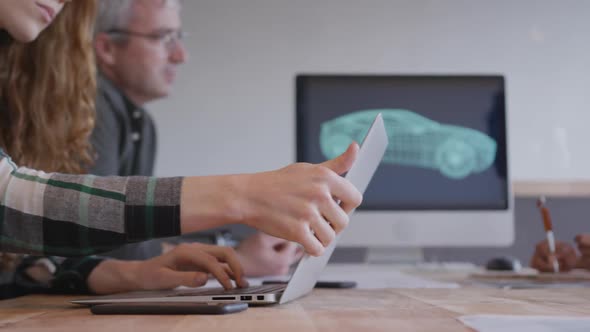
{"x": 168, "y": 308}
{"x": 319, "y": 284}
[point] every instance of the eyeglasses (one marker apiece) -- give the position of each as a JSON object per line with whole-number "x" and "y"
{"x": 169, "y": 39}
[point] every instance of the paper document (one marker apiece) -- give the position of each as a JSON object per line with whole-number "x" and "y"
{"x": 372, "y": 277}
{"x": 529, "y": 278}
{"x": 366, "y": 277}
{"x": 380, "y": 276}
{"x": 507, "y": 323}
{"x": 577, "y": 275}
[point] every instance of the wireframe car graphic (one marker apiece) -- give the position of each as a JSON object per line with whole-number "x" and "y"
{"x": 414, "y": 141}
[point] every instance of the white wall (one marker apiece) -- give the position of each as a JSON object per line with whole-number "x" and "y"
{"x": 233, "y": 110}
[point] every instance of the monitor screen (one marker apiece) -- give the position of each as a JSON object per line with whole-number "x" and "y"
{"x": 447, "y": 136}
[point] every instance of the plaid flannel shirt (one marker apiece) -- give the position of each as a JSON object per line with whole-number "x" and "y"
{"x": 73, "y": 215}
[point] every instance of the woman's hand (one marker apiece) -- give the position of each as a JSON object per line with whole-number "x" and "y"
{"x": 303, "y": 203}
{"x": 185, "y": 265}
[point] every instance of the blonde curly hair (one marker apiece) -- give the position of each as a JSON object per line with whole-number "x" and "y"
{"x": 47, "y": 96}
{"x": 48, "y": 90}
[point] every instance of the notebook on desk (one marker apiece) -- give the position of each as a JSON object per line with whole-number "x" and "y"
{"x": 531, "y": 274}
{"x": 530, "y": 278}
{"x": 309, "y": 268}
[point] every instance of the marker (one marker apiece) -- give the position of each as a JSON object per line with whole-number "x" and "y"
{"x": 548, "y": 230}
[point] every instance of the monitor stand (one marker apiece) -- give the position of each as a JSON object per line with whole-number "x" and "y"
{"x": 394, "y": 255}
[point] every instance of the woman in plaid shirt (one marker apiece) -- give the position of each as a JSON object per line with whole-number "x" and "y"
{"x": 71, "y": 215}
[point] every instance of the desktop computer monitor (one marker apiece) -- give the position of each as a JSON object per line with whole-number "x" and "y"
{"x": 444, "y": 180}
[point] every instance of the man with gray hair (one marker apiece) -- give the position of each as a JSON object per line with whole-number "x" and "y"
{"x": 138, "y": 46}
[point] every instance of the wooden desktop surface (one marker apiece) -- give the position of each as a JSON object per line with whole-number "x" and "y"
{"x": 323, "y": 310}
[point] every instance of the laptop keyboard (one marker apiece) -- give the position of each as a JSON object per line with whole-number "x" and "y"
{"x": 237, "y": 291}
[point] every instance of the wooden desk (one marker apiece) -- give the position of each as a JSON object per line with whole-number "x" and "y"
{"x": 323, "y": 310}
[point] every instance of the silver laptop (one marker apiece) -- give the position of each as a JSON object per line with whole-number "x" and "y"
{"x": 309, "y": 268}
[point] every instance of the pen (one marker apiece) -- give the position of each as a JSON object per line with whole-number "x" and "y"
{"x": 548, "y": 230}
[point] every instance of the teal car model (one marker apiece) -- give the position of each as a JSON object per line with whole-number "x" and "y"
{"x": 414, "y": 141}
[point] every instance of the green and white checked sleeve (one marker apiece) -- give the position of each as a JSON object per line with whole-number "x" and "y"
{"x": 73, "y": 215}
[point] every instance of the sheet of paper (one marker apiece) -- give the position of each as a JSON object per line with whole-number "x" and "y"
{"x": 505, "y": 323}
{"x": 527, "y": 279}
{"x": 366, "y": 276}
{"x": 380, "y": 276}
{"x": 532, "y": 274}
